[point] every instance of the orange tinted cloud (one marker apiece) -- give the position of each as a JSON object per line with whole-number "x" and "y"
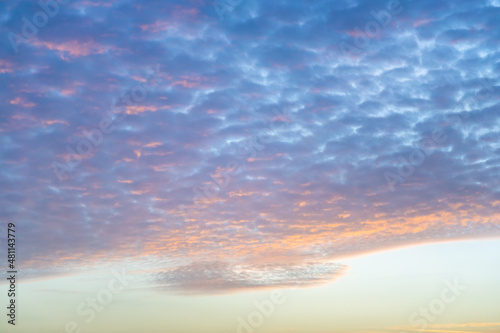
{"x": 20, "y": 101}
{"x": 140, "y": 109}
{"x": 74, "y": 48}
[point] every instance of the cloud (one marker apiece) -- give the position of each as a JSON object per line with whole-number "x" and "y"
{"x": 217, "y": 277}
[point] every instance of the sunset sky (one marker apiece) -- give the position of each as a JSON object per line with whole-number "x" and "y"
{"x": 334, "y": 160}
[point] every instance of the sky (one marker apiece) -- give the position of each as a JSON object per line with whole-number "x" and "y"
{"x": 336, "y": 161}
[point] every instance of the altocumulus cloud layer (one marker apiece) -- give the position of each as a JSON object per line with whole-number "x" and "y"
{"x": 393, "y": 140}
